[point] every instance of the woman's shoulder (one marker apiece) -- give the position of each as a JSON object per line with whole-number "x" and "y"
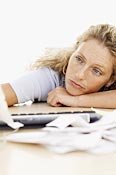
{"x": 58, "y": 78}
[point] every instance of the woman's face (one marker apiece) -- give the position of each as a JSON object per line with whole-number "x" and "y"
{"x": 90, "y": 68}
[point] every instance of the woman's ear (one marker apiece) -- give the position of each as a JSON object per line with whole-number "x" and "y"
{"x": 110, "y": 82}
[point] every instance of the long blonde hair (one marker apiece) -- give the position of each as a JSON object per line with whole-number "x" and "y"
{"x": 57, "y": 59}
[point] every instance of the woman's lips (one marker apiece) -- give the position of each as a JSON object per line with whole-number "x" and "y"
{"x": 76, "y": 85}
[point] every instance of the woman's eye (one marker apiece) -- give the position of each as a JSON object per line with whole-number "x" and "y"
{"x": 97, "y": 71}
{"x": 79, "y": 59}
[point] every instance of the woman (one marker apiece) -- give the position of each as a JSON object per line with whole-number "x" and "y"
{"x": 82, "y": 76}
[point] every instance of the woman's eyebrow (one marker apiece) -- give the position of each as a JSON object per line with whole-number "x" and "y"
{"x": 81, "y": 55}
{"x": 100, "y": 66}
{"x": 96, "y": 64}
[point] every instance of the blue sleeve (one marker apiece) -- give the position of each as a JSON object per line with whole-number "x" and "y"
{"x": 35, "y": 85}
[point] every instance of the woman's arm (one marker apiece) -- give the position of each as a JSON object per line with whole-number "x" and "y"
{"x": 30, "y": 86}
{"x": 59, "y": 96}
{"x": 9, "y": 93}
{"x": 105, "y": 99}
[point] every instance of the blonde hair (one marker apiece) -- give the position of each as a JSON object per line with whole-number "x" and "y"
{"x": 57, "y": 59}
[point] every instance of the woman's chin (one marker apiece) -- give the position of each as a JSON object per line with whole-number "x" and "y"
{"x": 73, "y": 93}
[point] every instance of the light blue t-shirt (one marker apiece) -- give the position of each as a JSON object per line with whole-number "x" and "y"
{"x": 36, "y": 84}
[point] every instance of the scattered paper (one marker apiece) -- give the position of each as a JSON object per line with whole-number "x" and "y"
{"x": 74, "y": 132}
{"x": 27, "y": 103}
{"x": 4, "y": 113}
{"x": 71, "y": 119}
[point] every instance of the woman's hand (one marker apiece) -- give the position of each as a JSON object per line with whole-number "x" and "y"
{"x": 60, "y": 96}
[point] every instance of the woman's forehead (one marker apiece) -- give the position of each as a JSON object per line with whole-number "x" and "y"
{"x": 96, "y": 52}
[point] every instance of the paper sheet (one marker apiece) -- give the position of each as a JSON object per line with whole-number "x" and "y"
{"x": 4, "y": 113}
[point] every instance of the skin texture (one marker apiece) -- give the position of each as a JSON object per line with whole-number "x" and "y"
{"x": 90, "y": 67}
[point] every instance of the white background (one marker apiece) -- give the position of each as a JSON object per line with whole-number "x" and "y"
{"x": 28, "y": 26}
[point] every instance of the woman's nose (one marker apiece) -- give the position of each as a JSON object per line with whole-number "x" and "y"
{"x": 82, "y": 73}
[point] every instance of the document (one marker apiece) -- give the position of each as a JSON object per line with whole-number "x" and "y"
{"x": 4, "y": 113}
{"x": 74, "y": 132}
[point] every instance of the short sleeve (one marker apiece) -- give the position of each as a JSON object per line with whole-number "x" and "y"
{"x": 35, "y": 84}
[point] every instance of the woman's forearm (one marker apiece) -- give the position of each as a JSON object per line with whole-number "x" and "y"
{"x": 106, "y": 99}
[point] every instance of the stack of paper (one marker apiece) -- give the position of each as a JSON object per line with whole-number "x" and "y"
{"x": 74, "y": 132}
